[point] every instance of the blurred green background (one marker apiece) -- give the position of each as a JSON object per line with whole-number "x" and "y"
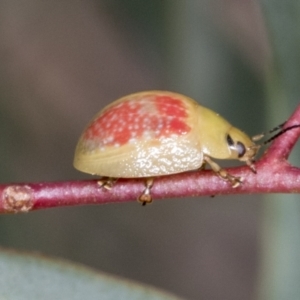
{"x": 61, "y": 61}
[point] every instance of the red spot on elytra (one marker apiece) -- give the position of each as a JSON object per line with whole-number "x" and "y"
{"x": 149, "y": 117}
{"x": 169, "y": 106}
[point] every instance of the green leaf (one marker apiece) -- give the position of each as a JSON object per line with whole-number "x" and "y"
{"x": 27, "y": 276}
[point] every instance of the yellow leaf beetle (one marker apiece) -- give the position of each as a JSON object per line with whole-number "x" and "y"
{"x": 155, "y": 133}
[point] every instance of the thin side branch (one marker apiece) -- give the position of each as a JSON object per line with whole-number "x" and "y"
{"x": 274, "y": 175}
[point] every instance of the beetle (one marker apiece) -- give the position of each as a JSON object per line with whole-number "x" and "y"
{"x": 156, "y": 133}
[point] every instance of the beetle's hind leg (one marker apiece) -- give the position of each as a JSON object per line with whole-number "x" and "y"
{"x": 235, "y": 181}
{"x": 107, "y": 182}
{"x": 145, "y": 197}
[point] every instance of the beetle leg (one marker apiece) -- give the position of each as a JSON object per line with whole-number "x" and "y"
{"x": 235, "y": 181}
{"x": 250, "y": 164}
{"x": 107, "y": 182}
{"x": 145, "y": 197}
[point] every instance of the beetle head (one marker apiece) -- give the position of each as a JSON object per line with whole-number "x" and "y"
{"x": 241, "y": 147}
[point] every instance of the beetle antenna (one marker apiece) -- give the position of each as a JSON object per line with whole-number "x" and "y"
{"x": 277, "y": 127}
{"x": 260, "y": 136}
{"x": 280, "y": 133}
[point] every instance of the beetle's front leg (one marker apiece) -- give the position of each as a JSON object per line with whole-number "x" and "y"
{"x": 235, "y": 181}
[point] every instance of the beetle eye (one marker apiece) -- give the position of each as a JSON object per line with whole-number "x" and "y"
{"x": 240, "y": 149}
{"x": 229, "y": 140}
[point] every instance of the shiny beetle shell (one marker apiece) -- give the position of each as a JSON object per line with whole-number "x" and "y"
{"x": 156, "y": 133}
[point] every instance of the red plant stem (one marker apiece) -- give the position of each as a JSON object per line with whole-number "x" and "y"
{"x": 282, "y": 146}
{"x": 274, "y": 175}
